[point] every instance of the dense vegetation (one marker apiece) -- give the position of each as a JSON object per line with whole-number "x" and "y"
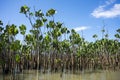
{"x": 50, "y": 45}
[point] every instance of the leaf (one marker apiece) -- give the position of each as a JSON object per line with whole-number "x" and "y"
{"x": 117, "y": 35}
{"x": 55, "y": 43}
{"x": 44, "y": 20}
{"x": 1, "y": 22}
{"x": 35, "y": 32}
{"x": 50, "y": 12}
{"x": 63, "y": 30}
{"x": 68, "y": 31}
{"x": 95, "y": 36}
{"x": 24, "y": 9}
{"x": 15, "y": 31}
{"x": 73, "y": 31}
{"x": 118, "y": 30}
{"x": 40, "y": 37}
{"x": 106, "y": 35}
{"x": 65, "y": 44}
{"x": 47, "y": 39}
{"x": 103, "y": 30}
{"x": 39, "y": 13}
{"x": 59, "y": 33}
{"x": 28, "y": 37}
{"x": 1, "y": 28}
{"x": 59, "y": 25}
{"x": 12, "y": 30}
{"x": 22, "y": 29}
{"x": 15, "y": 45}
{"x": 23, "y": 32}
{"x": 39, "y": 23}
{"x": 31, "y": 14}
{"x": 17, "y": 58}
{"x": 51, "y": 24}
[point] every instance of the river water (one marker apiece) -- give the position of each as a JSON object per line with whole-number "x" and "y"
{"x": 38, "y": 75}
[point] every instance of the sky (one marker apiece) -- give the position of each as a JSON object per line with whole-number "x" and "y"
{"x": 87, "y": 17}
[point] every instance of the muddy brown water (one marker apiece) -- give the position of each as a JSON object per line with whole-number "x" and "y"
{"x": 38, "y": 75}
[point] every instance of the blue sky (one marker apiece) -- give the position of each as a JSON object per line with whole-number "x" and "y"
{"x": 85, "y": 15}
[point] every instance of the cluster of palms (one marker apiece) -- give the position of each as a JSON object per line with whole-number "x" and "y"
{"x": 50, "y": 45}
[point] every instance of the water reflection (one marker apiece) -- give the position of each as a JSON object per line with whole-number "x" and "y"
{"x": 38, "y": 75}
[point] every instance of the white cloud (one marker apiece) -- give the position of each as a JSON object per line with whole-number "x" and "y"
{"x": 111, "y": 13}
{"x": 81, "y": 28}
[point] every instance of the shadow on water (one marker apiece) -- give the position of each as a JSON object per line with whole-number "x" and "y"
{"x": 67, "y": 75}
{"x": 88, "y": 72}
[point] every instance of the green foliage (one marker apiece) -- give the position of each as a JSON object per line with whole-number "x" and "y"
{"x": 40, "y": 37}
{"x": 24, "y": 9}
{"x": 44, "y": 20}
{"x": 53, "y": 36}
{"x": 31, "y": 14}
{"x": 50, "y": 12}
{"x": 59, "y": 25}
{"x": 51, "y": 24}
{"x": 63, "y": 30}
{"x": 15, "y": 45}
{"x": 17, "y": 58}
{"x": 118, "y": 30}
{"x": 103, "y": 30}
{"x": 39, "y": 23}
{"x": 68, "y": 31}
{"x": 22, "y": 29}
{"x": 55, "y": 43}
{"x": 66, "y": 44}
{"x": 47, "y": 38}
{"x": 1, "y": 29}
{"x": 117, "y": 35}
{"x": 12, "y": 29}
{"x": 39, "y": 13}
{"x": 106, "y": 35}
{"x": 29, "y": 37}
{"x": 1, "y": 23}
{"x": 94, "y": 36}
